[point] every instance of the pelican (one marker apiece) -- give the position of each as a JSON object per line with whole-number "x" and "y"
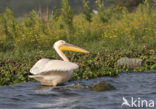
{"x": 52, "y": 72}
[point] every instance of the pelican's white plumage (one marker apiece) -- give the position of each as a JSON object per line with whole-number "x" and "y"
{"x": 46, "y": 65}
{"x": 53, "y": 72}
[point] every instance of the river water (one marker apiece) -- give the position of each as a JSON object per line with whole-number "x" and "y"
{"x": 76, "y": 95}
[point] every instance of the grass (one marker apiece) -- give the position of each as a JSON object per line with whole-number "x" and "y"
{"x": 109, "y": 35}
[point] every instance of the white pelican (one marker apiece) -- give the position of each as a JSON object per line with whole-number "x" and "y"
{"x": 53, "y": 72}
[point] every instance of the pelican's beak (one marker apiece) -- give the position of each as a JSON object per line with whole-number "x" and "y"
{"x": 70, "y": 47}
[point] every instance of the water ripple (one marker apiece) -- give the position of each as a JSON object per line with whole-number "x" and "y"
{"x": 77, "y": 95}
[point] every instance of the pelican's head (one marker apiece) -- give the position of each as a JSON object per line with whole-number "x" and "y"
{"x": 63, "y": 46}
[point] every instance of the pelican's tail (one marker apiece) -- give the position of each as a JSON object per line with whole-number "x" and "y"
{"x": 32, "y": 76}
{"x": 35, "y": 76}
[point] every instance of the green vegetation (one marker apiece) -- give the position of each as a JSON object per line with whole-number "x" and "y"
{"x": 109, "y": 35}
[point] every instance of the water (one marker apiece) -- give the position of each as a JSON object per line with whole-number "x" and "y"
{"x": 75, "y": 95}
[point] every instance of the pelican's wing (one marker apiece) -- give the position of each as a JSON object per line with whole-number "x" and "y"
{"x": 39, "y": 66}
{"x": 46, "y": 65}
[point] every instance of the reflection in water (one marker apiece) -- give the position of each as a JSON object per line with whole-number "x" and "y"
{"x": 43, "y": 87}
{"x": 60, "y": 101}
{"x": 78, "y": 94}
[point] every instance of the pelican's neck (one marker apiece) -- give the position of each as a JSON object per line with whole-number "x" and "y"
{"x": 61, "y": 54}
